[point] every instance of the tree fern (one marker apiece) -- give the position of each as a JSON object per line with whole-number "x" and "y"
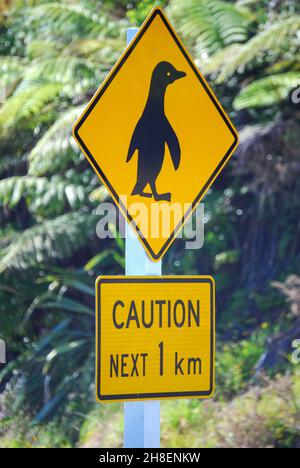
{"x": 43, "y": 195}
{"x": 71, "y": 19}
{"x": 87, "y": 47}
{"x": 40, "y": 48}
{"x": 267, "y": 91}
{"x": 79, "y": 66}
{"x": 53, "y": 240}
{"x": 212, "y": 23}
{"x": 97, "y": 47}
{"x": 28, "y": 100}
{"x": 61, "y": 69}
{"x": 274, "y": 40}
{"x": 11, "y": 68}
{"x": 56, "y": 149}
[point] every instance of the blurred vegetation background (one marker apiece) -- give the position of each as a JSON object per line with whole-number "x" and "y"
{"x": 53, "y": 56}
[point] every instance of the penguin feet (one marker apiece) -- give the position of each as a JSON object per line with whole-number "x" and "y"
{"x": 145, "y": 194}
{"x": 138, "y": 191}
{"x": 141, "y": 193}
{"x": 163, "y": 197}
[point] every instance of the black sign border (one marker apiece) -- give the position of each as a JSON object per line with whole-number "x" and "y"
{"x": 160, "y": 279}
{"x": 135, "y": 41}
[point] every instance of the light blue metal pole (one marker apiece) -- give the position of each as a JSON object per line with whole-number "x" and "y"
{"x": 2, "y": 352}
{"x": 141, "y": 419}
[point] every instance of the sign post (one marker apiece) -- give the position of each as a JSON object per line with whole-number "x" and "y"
{"x": 2, "y": 352}
{"x": 157, "y": 137}
{"x": 141, "y": 419}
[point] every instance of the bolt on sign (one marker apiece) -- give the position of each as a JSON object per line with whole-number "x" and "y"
{"x": 155, "y": 337}
{"x": 156, "y": 134}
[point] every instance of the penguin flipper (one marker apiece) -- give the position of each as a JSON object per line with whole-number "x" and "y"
{"x": 133, "y": 144}
{"x": 173, "y": 145}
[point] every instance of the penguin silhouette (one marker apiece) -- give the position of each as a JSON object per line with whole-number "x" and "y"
{"x": 152, "y": 132}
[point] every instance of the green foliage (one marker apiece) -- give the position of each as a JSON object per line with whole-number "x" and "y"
{"x": 141, "y": 10}
{"x": 213, "y": 24}
{"x": 53, "y": 57}
{"x": 28, "y": 100}
{"x": 235, "y": 365}
{"x": 46, "y": 78}
{"x": 93, "y": 434}
{"x": 56, "y": 150}
{"x": 19, "y": 432}
{"x": 267, "y": 91}
{"x": 276, "y": 40}
{"x": 40, "y": 191}
{"x": 68, "y": 19}
{"x": 51, "y": 241}
{"x": 224, "y": 258}
{"x": 66, "y": 345}
{"x": 265, "y": 416}
{"x": 10, "y": 73}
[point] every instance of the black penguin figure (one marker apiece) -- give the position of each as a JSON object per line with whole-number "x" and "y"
{"x": 152, "y": 132}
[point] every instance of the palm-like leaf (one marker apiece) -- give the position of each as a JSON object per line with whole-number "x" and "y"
{"x": 64, "y": 355}
{"x": 71, "y": 19}
{"x": 79, "y": 67}
{"x": 98, "y": 47}
{"x": 267, "y": 91}
{"x": 11, "y": 68}
{"x": 28, "y": 100}
{"x": 279, "y": 38}
{"x": 62, "y": 69}
{"x": 50, "y": 241}
{"x": 212, "y": 23}
{"x": 42, "y": 192}
{"x": 56, "y": 149}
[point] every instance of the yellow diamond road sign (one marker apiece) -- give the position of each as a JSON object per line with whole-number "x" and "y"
{"x": 155, "y": 337}
{"x": 156, "y": 134}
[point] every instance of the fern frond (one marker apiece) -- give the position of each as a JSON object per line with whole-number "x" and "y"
{"x": 20, "y": 5}
{"x": 213, "y": 23}
{"x": 41, "y": 193}
{"x": 28, "y": 100}
{"x": 70, "y": 19}
{"x": 39, "y": 48}
{"x": 56, "y": 149}
{"x": 267, "y": 91}
{"x": 220, "y": 60}
{"x": 274, "y": 40}
{"x": 53, "y": 240}
{"x": 14, "y": 188}
{"x": 61, "y": 69}
{"x": 99, "y": 194}
{"x": 89, "y": 47}
{"x": 76, "y": 74}
{"x": 11, "y": 68}
{"x": 79, "y": 66}
{"x": 106, "y": 48}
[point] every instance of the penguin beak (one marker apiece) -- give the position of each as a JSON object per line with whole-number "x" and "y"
{"x": 179, "y": 74}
